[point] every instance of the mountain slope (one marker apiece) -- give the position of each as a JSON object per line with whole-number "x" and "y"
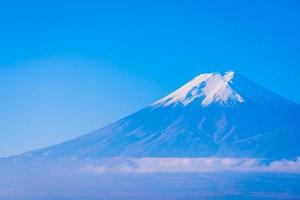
{"x": 215, "y": 114}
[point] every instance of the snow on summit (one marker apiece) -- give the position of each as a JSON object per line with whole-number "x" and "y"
{"x": 209, "y": 87}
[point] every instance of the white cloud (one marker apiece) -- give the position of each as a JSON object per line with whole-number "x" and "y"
{"x": 94, "y": 169}
{"x": 285, "y": 166}
{"x": 195, "y": 165}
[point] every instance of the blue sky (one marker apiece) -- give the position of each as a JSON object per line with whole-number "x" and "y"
{"x": 69, "y": 67}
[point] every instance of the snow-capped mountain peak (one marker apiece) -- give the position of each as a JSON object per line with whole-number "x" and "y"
{"x": 209, "y": 87}
{"x": 246, "y": 120}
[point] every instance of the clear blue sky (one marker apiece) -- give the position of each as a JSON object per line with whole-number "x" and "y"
{"x": 69, "y": 67}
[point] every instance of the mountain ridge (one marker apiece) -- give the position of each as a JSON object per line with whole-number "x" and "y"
{"x": 254, "y": 123}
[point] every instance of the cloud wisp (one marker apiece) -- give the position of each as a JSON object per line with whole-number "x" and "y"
{"x": 194, "y": 165}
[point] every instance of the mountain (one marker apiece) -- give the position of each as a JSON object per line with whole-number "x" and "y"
{"x": 214, "y": 114}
